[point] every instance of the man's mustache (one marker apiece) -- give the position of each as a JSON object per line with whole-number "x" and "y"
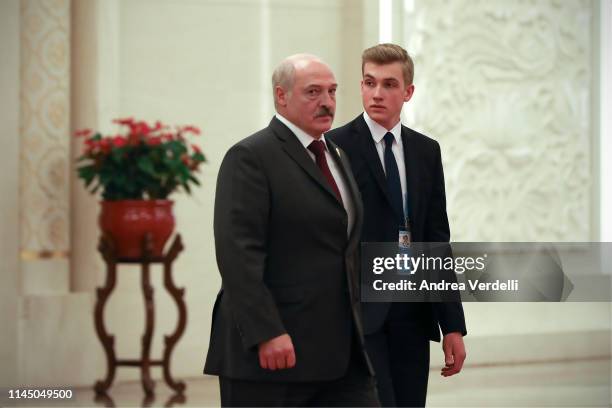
{"x": 324, "y": 111}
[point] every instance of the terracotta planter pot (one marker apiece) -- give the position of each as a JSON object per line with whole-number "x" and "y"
{"x": 127, "y": 222}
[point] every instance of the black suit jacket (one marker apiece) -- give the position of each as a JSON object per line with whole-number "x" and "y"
{"x": 426, "y": 207}
{"x": 286, "y": 262}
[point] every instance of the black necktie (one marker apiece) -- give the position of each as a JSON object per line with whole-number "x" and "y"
{"x": 393, "y": 179}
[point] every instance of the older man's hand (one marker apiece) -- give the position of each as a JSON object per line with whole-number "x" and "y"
{"x": 454, "y": 353}
{"x": 277, "y": 353}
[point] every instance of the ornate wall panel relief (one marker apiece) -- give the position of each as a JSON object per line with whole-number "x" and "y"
{"x": 44, "y": 123}
{"x": 504, "y": 86}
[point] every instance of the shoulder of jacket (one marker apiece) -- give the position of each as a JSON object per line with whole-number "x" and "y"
{"x": 421, "y": 139}
{"x": 343, "y": 134}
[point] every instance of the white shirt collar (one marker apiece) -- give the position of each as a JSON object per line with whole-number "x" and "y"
{"x": 304, "y": 138}
{"x": 378, "y": 132}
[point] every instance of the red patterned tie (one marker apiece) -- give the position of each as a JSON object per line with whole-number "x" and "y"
{"x": 318, "y": 148}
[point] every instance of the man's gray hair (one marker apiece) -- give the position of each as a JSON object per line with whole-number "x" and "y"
{"x": 284, "y": 74}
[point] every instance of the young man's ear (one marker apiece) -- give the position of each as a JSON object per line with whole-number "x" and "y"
{"x": 409, "y": 92}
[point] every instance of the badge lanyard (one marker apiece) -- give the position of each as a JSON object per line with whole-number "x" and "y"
{"x": 404, "y": 233}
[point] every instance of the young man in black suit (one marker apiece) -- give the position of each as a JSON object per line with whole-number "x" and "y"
{"x": 399, "y": 173}
{"x": 286, "y": 325}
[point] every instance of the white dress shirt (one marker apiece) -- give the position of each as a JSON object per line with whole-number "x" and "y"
{"x": 378, "y": 133}
{"x": 305, "y": 139}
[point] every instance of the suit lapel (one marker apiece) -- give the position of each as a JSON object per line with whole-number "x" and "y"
{"x": 368, "y": 149}
{"x": 412, "y": 174}
{"x": 345, "y": 167}
{"x": 296, "y": 151}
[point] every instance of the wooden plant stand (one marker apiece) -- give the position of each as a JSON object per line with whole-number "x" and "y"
{"x": 145, "y": 362}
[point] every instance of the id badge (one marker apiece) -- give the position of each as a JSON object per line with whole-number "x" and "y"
{"x": 404, "y": 240}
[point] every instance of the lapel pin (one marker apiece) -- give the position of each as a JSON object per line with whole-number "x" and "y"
{"x": 338, "y": 151}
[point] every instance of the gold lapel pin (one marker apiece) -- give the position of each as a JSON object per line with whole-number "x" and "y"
{"x": 338, "y": 151}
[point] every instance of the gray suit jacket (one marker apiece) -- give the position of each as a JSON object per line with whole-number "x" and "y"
{"x": 286, "y": 263}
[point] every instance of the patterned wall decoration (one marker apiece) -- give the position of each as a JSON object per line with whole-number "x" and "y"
{"x": 44, "y": 126}
{"x": 505, "y": 87}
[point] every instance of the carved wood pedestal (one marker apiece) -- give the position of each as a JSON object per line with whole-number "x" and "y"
{"x": 145, "y": 362}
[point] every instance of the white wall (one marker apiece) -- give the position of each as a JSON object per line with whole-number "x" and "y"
{"x": 506, "y": 89}
{"x": 9, "y": 189}
{"x": 605, "y": 125}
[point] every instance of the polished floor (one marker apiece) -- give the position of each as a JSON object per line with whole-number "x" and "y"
{"x": 555, "y": 384}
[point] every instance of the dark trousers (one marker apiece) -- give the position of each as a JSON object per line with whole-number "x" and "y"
{"x": 399, "y": 352}
{"x": 356, "y": 389}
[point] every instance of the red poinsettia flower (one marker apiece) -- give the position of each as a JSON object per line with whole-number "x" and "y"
{"x": 119, "y": 141}
{"x": 158, "y": 126}
{"x": 142, "y": 145}
{"x": 134, "y": 139}
{"x": 83, "y": 133}
{"x": 105, "y": 146}
{"x": 124, "y": 121}
{"x": 140, "y": 128}
{"x": 154, "y": 141}
{"x": 90, "y": 146}
{"x": 191, "y": 129}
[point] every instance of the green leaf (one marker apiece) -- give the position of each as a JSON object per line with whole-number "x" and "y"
{"x": 194, "y": 180}
{"x": 145, "y": 164}
{"x": 117, "y": 155}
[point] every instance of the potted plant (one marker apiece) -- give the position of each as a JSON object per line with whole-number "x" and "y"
{"x": 136, "y": 170}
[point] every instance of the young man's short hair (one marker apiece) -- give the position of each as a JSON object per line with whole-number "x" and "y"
{"x": 389, "y": 53}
